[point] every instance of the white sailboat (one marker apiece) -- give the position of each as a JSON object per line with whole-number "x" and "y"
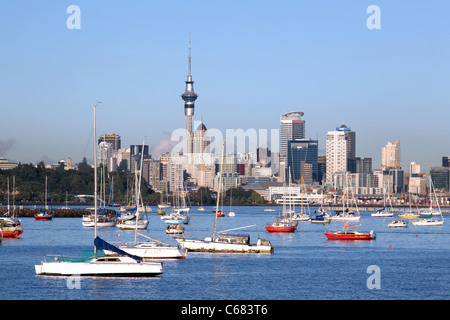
{"x": 225, "y": 243}
{"x": 384, "y": 212}
{"x": 347, "y": 214}
{"x": 231, "y": 213}
{"x": 430, "y": 213}
{"x": 201, "y": 208}
{"x": 136, "y": 221}
{"x": 153, "y": 250}
{"x": 299, "y": 216}
{"x": 97, "y": 263}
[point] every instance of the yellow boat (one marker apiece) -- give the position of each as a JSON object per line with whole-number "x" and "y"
{"x": 409, "y": 215}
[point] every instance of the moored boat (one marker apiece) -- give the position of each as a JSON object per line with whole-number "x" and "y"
{"x": 281, "y": 226}
{"x": 10, "y": 229}
{"x": 174, "y": 229}
{"x": 408, "y": 215}
{"x": 153, "y": 250}
{"x": 350, "y": 234}
{"x": 121, "y": 264}
{"x": 43, "y": 215}
{"x": 398, "y": 224}
{"x": 225, "y": 243}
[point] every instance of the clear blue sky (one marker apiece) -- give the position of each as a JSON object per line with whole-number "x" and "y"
{"x": 251, "y": 62}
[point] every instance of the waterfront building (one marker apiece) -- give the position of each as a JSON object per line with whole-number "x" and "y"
{"x": 6, "y": 165}
{"x": 390, "y": 155}
{"x": 340, "y": 151}
{"x": 302, "y": 160}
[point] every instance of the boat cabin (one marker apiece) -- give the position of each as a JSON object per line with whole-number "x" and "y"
{"x": 234, "y": 238}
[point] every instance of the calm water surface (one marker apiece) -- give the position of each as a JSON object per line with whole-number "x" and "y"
{"x": 413, "y": 262}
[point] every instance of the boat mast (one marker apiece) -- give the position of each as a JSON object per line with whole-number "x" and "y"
{"x": 95, "y": 180}
{"x": 218, "y": 193}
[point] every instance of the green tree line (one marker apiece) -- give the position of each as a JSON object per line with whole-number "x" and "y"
{"x": 28, "y": 182}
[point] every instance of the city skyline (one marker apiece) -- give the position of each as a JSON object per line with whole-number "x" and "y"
{"x": 264, "y": 60}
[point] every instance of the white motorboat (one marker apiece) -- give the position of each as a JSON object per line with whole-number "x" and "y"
{"x": 398, "y": 224}
{"x": 103, "y": 221}
{"x": 174, "y": 229}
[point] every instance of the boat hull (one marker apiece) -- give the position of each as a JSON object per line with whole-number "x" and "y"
{"x": 349, "y": 235}
{"x": 11, "y": 234}
{"x": 108, "y": 266}
{"x": 214, "y": 246}
{"x": 45, "y": 218}
{"x": 426, "y": 222}
{"x": 408, "y": 216}
{"x": 154, "y": 253}
{"x": 281, "y": 228}
{"x": 132, "y": 225}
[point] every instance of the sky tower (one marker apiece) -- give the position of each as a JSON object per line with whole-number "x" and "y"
{"x": 189, "y": 97}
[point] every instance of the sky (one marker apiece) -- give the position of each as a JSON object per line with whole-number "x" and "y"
{"x": 252, "y": 61}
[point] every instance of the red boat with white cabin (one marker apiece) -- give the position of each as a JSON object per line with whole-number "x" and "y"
{"x": 43, "y": 215}
{"x": 282, "y": 226}
{"x": 10, "y": 229}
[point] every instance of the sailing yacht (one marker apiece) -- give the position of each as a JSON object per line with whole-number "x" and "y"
{"x": 153, "y": 250}
{"x": 201, "y": 208}
{"x": 43, "y": 214}
{"x": 96, "y": 263}
{"x": 300, "y": 216}
{"x": 225, "y": 242}
{"x": 134, "y": 220}
{"x": 347, "y": 213}
{"x": 384, "y": 212}
{"x": 430, "y": 213}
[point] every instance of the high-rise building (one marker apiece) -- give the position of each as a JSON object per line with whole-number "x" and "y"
{"x": 201, "y": 140}
{"x": 341, "y": 150}
{"x": 111, "y": 138}
{"x": 292, "y": 127}
{"x": 446, "y": 161}
{"x": 189, "y": 97}
{"x": 390, "y": 155}
{"x": 303, "y": 160}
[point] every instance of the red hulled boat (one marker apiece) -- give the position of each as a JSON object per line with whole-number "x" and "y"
{"x": 281, "y": 226}
{"x": 10, "y": 230}
{"x": 43, "y": 215}
{"x": 350, "y": 234}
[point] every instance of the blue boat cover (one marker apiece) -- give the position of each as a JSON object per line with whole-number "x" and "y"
{"x": 102, "y": 244}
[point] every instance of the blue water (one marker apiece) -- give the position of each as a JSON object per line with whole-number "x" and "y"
{"x": 413, "y": 263}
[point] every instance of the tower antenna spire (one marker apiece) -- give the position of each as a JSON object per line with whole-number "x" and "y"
{"x": 189, "y": 53}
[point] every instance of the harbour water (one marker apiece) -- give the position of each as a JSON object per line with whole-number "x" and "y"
{"x": 401, "y": 264}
